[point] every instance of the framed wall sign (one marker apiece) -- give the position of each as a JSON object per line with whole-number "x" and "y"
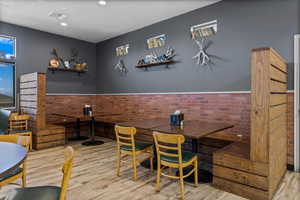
{"x": 204, "y": 30}
{"x": 122, "y": 50}
{"x": 157, "y": 41}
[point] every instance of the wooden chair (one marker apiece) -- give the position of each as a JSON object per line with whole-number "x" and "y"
{"x": 127, "y": 145}
{"x": 169, "y": 154}
{"x": 18, "y": 124}
{"x": 47, "y": 192}
{"x": 20, "y": 172}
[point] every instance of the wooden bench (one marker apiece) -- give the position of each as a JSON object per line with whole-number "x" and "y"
{"x": 32, "y": 102}
{"x": 234, "y": 172}
{"x": 254, "y": 169}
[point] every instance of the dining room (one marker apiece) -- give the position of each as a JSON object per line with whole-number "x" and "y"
{"x": 149, "y": 100}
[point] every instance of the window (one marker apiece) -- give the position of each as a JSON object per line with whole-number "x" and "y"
{"x": 7, "y": 71}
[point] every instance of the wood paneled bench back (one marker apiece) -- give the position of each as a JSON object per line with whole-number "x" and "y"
{"x": 32, "y": 102}
{"x": 255, "y": 170}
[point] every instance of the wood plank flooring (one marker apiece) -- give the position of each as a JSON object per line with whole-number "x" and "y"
{"x": 94, "y": 178}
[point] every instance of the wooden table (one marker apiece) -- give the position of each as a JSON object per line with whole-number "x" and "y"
{"x": 79, "y": 118}
{"x": 194, "y": 129}
{"x": 148, "y": 124}
{"x": 12, "y": 156}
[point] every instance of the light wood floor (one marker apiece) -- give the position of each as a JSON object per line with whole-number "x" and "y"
{"x": 94, "y": 178}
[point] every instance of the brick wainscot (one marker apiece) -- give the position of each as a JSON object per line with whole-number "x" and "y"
{"x": 217, "y": 107}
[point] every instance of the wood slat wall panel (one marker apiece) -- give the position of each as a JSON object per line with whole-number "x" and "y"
{"x": 277, "y": 99}
{"x": 240, "y": 189}
{"x": 32, "y": 101}
{"x": 278, "y": 87}
{"x": 50, "y": 138}
{"x": 41, "y": 122}
{"x": 268, "y": 132}
{"x": 30, "y": 111}
{"x": 52, "y": 131}
{"x": 278, "y": 131}
{"x": 277, "y": 61}
{"x": 259, "y": 182}
{"x": 241, "y": 164}
{"x": 278, "y": 75}
{"x": 28, "y": 91}
{"x": 29, "y": 77}
{"x": 278, "y": 155}
{"x": 48, "y": 144}
{"x": 32, "y": 84}
{"x": 260, "y": 90}
{"x": 276, "y": 111}
{"x": 278, "y": 122}
{"x": 28, "y": 97}
{"x": 28, "y": 104}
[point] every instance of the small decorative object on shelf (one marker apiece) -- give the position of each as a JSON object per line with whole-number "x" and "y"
{"x": 157, "y": 58}
{"x": 67, "y": 64}
{"x": 56, "y": 61}
{"x": 120, "y": 66}
{"x": 74, "y": 64}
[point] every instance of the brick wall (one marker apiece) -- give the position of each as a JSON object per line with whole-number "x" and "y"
{"x": 231, "y": 108}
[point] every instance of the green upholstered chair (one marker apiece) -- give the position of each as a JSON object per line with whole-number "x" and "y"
{"x": 35, "y": 193}
{"x": 4, "y": 117}
{"x": 170, "y": 154}
{"x": 47, "y": 192}
{"x": 127, "y": 145}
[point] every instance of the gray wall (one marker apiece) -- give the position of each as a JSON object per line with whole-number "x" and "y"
{"x": 242, "y": 25}
{"x": 33, "y": 54}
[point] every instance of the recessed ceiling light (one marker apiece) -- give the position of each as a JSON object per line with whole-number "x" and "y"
{"x": 63, "y": 23}
{"x": 102, "y": 2}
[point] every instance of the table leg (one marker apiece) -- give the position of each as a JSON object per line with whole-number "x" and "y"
{"x": 78, "y": 136}
{"x": 92, "y": 141}
{"x": 204, "y": 176}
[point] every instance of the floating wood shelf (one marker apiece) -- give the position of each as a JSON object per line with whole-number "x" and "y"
{"x": 155, "y": 64}
{"x": 66, "y": 70}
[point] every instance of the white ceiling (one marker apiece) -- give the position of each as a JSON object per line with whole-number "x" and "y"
{"x": 91, "y": 22}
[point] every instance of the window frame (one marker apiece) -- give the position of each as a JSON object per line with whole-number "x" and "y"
{"x": 14, "y": 63}
{"x": 15, "y": 48}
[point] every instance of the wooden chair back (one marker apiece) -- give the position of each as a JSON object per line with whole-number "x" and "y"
{"x": 4, "y": 116}
{"x": 168, "y": 145}
{"x": 125, "y": 136}
{"x": 16, "y": 139}
{"x": 18, "y": 122}
{"x": 67, "y": 170}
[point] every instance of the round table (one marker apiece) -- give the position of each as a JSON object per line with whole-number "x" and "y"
{"x": 11, "y": 156}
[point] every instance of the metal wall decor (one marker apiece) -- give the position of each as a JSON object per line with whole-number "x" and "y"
{"x": 204, "y": 29}
{"x": 157, "y": 41}
{"x": 202, "y": 57}
{"x": 122, "y": 50}
{"x": 120, "y": 66}
{"x": 158, "y": 57}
